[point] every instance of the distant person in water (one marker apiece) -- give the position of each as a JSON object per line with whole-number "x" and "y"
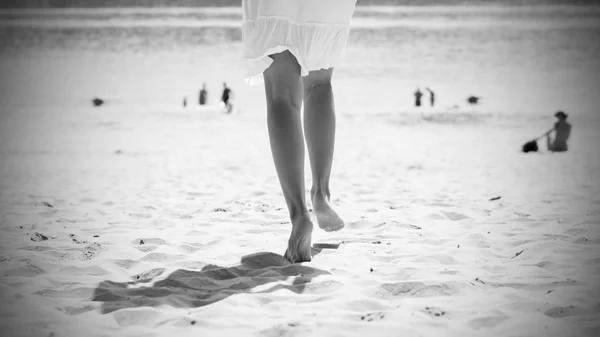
{"x": 431, "y": 96}
{"x": 418, "y": 95}
{"x": 226, "y": 96}
{"x": 562, "y": 131}
{"x": 473, "y": 100}
{"x": 203, "y": 95}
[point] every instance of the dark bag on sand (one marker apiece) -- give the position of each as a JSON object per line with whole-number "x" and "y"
{"x": 530, "y": 146}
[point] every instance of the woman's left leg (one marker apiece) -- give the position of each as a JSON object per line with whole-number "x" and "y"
{"x": 319, "y": 132}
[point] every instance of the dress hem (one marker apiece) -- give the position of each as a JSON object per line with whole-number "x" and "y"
{"x": 314, "y": 45}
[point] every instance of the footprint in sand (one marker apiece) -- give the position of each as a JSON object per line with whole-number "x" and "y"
{"x": 374, "y": 316}
{"x": 140, "y": 215}
{"x": 37, "y": 237}
{"x": 91, "y": 250}
{"x": 289, "y": 329}
{"x": 73, "y": 311}
{"x": 161, "y": 257}
{"x": 76, "y": 239}
{"x": 145, "y": 248}
{"x": 87, "y": 200}
{"x": 434, "y": 312}
{"x": 566, "y": 311}
{"x": 79, "y": 293}
{"x": 360, "y": 224}
{"x": 436, "y": 216}
{"x": 48, "y": 212}
{"x": 28, "y": 270}
{"x": 36, "y": 248}
{"x": 190, "y": 248}
{"x": 487, "y": 322}
{"x": 43, "y": 204}
{"x": 125, "y": 263}
{"x": 147, "y": 276}
{"x": 127, "y": 318}
{"x": 455, "y": 216}
{"x": 414, "y": 289}
{"x": 91, "y": 270}
{"x": 147, "y": 245}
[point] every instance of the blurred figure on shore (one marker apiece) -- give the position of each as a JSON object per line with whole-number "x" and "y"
{"x": 473, "y": 100}
{"x": 562, "y": 131}
{"x": 431, "y": 96}
{"x": 418, "y": 94}
{"x": 226, "y": 96}
{"x": 202, "y": 98}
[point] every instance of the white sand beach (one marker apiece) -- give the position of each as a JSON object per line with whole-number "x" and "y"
{"x": 121, "y": 223}
{"x": 142, "y": 218}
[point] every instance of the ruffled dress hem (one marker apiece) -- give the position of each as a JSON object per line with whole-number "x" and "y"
{"x": 314, "y": 45}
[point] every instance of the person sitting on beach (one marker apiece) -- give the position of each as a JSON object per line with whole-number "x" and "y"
{"x": 202, "y": 98}
{"x": 296, "y": 67}
{"x": 562, "y": 130}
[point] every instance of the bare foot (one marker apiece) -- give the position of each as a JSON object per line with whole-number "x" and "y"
{"x": 327, "y": 218}
{"x": 299, "y": 244}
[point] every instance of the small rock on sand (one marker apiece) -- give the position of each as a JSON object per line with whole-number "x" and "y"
{"x": 37, "y": 237}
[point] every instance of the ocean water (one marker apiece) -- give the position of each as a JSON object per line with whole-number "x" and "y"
{"x": 526, "y": 62}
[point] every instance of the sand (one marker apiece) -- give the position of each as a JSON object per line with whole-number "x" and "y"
{"x": 153, "y": 223}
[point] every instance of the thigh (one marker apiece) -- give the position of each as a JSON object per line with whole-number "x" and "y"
{"x": 282, "y": 79}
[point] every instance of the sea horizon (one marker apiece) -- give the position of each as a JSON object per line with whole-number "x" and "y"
{"x": 237, "y": 3}
{"x": 518, "y": 57}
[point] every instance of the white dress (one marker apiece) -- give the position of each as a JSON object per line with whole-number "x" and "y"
{"x": 314, "y": 31}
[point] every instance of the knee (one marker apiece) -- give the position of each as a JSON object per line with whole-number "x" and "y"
{"x": 319, "y": 87}
{"x": 318, "y": 81}
{"x": 280, "y": 95}
{"x": 284, "y": 90}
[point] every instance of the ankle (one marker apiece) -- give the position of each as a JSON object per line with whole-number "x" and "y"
{"x": 301, "y": 221}
{"x": 320, "y": 192}
{"x": 297, "y": 213}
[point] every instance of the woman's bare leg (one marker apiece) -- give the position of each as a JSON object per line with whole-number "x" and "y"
{"x": 283, "y": 88}
{"x": 319, "y": 129}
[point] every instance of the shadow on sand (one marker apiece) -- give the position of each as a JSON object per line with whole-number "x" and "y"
{"x": 192, "y": 289}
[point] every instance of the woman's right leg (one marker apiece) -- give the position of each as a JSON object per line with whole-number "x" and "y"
{"x": 283, "y": 89}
